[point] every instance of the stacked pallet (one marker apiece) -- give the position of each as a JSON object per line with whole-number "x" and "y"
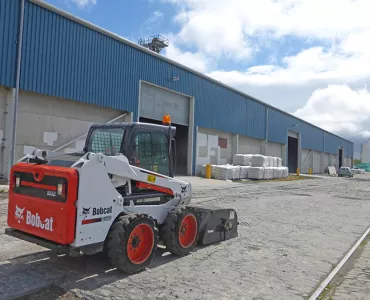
{"x": 249, "y": 166}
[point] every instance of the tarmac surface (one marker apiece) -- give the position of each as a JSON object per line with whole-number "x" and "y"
{"x": 292, "y": 234}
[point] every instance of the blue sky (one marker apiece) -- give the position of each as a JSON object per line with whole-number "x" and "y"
{"x": 307, "y": 57}
{"x": 130, "y": 19}
{"x": 144, "y": 18}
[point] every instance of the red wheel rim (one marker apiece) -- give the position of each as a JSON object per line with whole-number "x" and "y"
{"x": 140, "y": 244}
{"x": 188, "y": 231}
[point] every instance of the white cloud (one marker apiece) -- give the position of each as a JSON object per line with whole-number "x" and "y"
{"x": 155, "y": 17}
{"x": 314, "y": 65}
{"x": 308, "y": 18}
{"x": 83, "y": 3}
{"x": 325, "y": 75}
{"x": 339, "y": 109}
{"x": 196, "y": 61}
{"x": 220, "y": 27}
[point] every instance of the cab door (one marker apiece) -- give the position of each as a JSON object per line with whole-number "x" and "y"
{"x": 149, "y": 150}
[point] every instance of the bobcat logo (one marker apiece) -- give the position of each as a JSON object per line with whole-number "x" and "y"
{"x": 85, "y": 211}
{"x": 19, "y": 213}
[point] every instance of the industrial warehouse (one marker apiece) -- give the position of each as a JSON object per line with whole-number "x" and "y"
{"x": 70, "y": 74}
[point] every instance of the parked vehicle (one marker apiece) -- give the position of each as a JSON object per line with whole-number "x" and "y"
{"x": 345, "y": 172}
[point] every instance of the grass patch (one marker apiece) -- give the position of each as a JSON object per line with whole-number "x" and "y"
{"x": 289, "y": 178}
{"x": 326, "y": 293}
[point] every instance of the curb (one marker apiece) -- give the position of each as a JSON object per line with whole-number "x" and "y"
{"x": 332, "y": 274}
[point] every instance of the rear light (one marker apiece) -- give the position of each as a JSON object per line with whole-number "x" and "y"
{"x": 61, "y": 189}
{"x": 17, "y": 181}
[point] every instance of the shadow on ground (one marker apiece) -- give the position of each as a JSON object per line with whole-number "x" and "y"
{"x": 46, "y": 275}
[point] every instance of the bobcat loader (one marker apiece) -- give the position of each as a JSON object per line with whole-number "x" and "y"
{"x": 118, "y": 195}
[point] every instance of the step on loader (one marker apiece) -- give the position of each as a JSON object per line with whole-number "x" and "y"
{"x": 118, "y": 196}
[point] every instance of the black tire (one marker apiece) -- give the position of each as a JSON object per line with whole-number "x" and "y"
{"x": 170, "y": 231}
{"x": 117, "y": 241}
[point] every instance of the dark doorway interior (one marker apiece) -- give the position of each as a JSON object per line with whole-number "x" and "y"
{"x": 292, "y": 154}
{"x": 340, "y": 157}
{"x": 181, "y": 146}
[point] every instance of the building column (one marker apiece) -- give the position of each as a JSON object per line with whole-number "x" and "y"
{"x": 313, "y": 161}
{"x": 284, "y": 155}
{"x": 7, "y": 138}
{"x": 234, "y": 144}
{"x": 322, "y": 167}
{"x": 263, "y": 147}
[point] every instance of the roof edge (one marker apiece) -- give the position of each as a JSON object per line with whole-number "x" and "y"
{"x": 134, "y": 45}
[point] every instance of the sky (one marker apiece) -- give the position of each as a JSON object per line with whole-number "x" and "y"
{"x": 310, "y": 58}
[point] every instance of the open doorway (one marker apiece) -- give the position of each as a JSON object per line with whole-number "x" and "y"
{"x": 340, "y": 158}
{"x": 182, "y": 133}
{"x": 292, "y": 154}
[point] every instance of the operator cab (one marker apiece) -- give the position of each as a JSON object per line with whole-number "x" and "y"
{"x": 147, "y": 146}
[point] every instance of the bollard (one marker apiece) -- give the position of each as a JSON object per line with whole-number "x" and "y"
{"x": 208, "y": 171}
{"x": 310, "y": 171}
{"x": 298, "y": 171}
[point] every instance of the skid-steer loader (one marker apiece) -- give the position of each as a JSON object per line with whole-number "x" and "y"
{"x": 118, "y": 196}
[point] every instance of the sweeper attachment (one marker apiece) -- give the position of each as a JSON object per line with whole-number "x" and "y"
{"x": 118, "y": 195}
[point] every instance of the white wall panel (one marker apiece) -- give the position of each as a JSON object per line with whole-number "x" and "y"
{"x": 326, "y": 161}
{"x": 248, "y": 145}
{"x": 317, "y": 168}
{"x": 49, "y": 122}
{"x": 274, "y": 149}
{"x": 306, "y": 160}
{"x": 214, "y": 147}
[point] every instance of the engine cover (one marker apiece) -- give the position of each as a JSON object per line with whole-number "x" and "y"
{"x": 215, "y": 224}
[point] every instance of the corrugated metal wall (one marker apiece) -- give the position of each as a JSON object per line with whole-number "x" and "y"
{"x": 311, "y": 136}
{"x": 9, "y": 14}
{"x": 333, "y": 143}
{"x": 65, "y": 59}
{"x": 280, "y": 123}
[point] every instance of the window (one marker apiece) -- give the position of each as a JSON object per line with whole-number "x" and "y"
{"x": 151, "y": 152}
{"x": 106, "y": 140}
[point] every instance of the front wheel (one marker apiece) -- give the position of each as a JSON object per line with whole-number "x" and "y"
{"x": 179, "y": 232}
{"x": 131, "y": 242}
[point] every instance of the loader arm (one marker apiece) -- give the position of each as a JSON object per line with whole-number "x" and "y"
{"x": 120, "y": 167}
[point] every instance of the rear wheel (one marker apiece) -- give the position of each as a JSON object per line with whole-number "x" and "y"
{"x": 131, "y": 242}
{"x": 180, "y": 231}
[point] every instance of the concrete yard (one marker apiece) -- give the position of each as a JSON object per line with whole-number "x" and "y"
{"x": 292, "y": 234}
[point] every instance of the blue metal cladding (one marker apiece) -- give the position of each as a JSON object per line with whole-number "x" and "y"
{"x": 333, "y": 143}
{"x": 311, "y": 136}
{"x": 9, "y": 16}
{"x": 66, "y": 59}
{"x": 63, "y": 58}
{"x": 280, "y": 123}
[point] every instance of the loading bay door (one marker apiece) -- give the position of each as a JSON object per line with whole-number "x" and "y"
{"x": 154, "y": 102}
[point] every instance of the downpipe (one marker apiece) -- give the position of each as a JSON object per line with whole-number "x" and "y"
{"x": 17, "y": 84}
